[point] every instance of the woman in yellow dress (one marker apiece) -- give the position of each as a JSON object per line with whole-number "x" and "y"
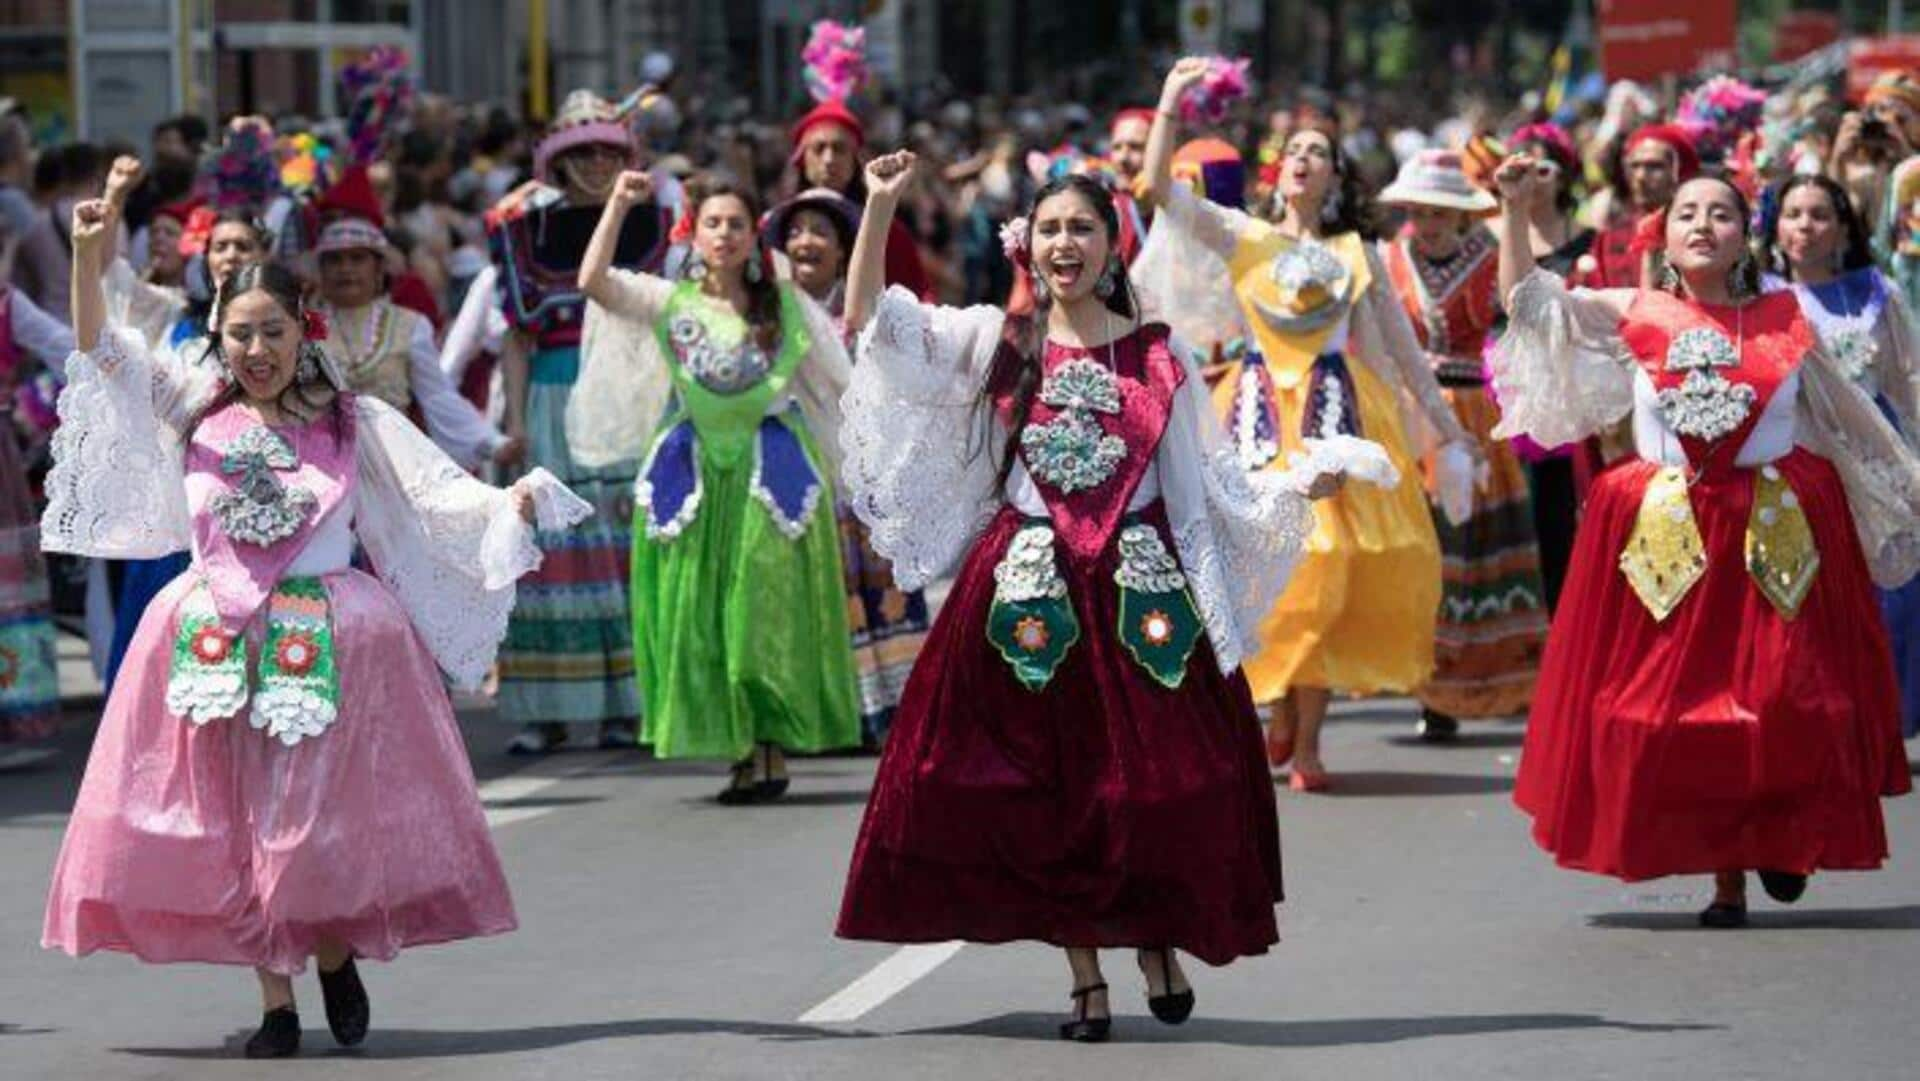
{"x": 1331, "y": 353}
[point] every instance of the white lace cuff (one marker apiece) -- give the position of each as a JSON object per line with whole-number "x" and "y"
{"x": 1560, "y": 372}
{"x": 507, "y": 550}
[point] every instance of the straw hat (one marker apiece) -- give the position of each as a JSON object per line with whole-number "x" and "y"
{"x": 1437, "y": 178}
{"x": 585, "y": 119}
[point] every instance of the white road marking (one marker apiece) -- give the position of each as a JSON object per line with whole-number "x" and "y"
{"x": 523, "y": 784}
{"x": 898, "y": 972}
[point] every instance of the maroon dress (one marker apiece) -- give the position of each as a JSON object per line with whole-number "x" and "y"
{"x": 1103, "y": 809}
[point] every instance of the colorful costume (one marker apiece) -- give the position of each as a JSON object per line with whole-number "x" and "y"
{"x": 1359, "y": 614}
{"x": 1493, "y": 621}
{"x": 1867, "y": 328}
{"x": 569, "y": 649}
{"x": 279, "y": 765}
{"x": 1717, "y": 691}
{"x": 1076, "y": 759}
{"x": 29, "y": 675}
{"x": 739, "y": 614}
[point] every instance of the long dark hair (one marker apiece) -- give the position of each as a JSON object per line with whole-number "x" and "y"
{"x": 1351, "y": 200}
{"x": 763, "y": 296}
{"x": 1855, "y": 254}
{"x": 284, "y": 287}
{"x": 1016, "y": 363}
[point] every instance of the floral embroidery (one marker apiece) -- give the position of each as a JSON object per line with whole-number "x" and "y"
{"x": 1031, "y": 634}
{"x": 1072, "y": 452}
{"x": 1157, "y": 628}
{"x": 1706, "y": 406}
{"x": 297, "y": 654}
{"x": 211, "y": 644}
{"x": 260, "y": 509}
{"x": 720, "y": 369}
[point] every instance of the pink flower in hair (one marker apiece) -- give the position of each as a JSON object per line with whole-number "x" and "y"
{"x": 834, "y": 61}
{"x": 1013, "y": 240}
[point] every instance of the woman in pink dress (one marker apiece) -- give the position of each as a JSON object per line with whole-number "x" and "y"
{"x": 278, "y": 774}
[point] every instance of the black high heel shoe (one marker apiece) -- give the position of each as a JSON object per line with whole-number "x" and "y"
{"x": 1783, "y": 886}
{"x": 348, "y": 1011}
{"x": 1173, "y": 1007}
{"x": 769, "y": 788}
{"x": 1084, "y": 1029}
{"x": 741, "y": 789}
{"x": 278, "y": 1035}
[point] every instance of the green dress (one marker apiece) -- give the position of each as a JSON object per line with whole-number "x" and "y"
{"x": 739, "y": 617}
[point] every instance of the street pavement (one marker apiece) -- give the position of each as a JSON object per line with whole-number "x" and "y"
{"x": 664, "y": 937}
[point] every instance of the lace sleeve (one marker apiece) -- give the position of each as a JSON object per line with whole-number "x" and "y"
{"x": 1897, "y": 367}
{"x": 449, "y": 546}
{"x": 116, "y": 490}
{"x": 916, "y": 452}
{"x": 1238, "y": 534}
{"x": 822, "y": 379}
{"x": 1182, "y": 274}
{"x": 624, "y": 383}
{"x": 1384, "y": 337}
{"x": 1560, "y": 372}
{"x": 1882, "y": 476}
{"x": 146, "y": 308}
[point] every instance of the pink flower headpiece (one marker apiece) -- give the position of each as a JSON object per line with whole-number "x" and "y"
{"x": 1717, "y": 112}
{"x": 835, "y": 60}
{"x": 1224, "y": 83}
{"x": 1013, "y": 241}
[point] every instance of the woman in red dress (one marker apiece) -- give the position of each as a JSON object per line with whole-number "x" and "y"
{"x": 1717, "y": 694}
{"x": 1076, "y": 757}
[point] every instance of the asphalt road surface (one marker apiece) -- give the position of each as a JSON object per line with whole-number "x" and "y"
{"x": 666, "y": 937}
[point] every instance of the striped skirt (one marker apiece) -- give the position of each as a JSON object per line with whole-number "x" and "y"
{"x": 1492, "y": 624}
{"x": 889, "y": 626}
{"x": 568, "y": 655}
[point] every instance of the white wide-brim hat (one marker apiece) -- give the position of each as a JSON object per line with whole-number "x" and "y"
{"x": 1438, "y": 178}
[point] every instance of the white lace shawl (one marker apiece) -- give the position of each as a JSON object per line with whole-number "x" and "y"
{"x": 625, "y": 384}
{"x": 919, "y": 470}
{"x": 1183, "y": 271}
{"x": 449, "y": 546}
{"x": 1563, "y": 373}
{"x": 1896, "y": 365}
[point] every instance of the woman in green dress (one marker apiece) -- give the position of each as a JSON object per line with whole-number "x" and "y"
{"x": 726, "y": 384}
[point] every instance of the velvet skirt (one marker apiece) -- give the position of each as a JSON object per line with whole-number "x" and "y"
{"x": 1103, "y": 810}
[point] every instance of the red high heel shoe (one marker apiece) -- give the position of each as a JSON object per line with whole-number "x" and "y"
{"x": 1309, "y": 780}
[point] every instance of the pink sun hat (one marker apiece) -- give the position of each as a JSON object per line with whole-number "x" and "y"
{"x": 585, "y": 119}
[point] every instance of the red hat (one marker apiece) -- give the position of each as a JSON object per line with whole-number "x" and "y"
{"x": 1686, "y": 157}
{"x": 181, "y": 211}
{"x": 831, "y": 111}
{"x": 352, "y": 196}
{"x": 1143, "y": 115}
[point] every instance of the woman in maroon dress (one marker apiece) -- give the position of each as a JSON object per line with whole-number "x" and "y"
{"x": 1076, "y": 758}
{"x": 1717, "y": 694}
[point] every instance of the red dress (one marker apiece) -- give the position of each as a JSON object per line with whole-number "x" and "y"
{"x": 1104, "y": 809}
{"x": 1727, "y": 735}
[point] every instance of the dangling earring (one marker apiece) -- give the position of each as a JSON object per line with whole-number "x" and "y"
{"x": 1040, "y": 294}
{"x": 1669, "y": 277}
{"x": 1330, "y": 208}
{"x": 1740, "y": 277}
{"x": 753, "y": 267}
{"x": 695, "y": 268}
{"x": 1109, "y": 279}
{"x": 308, "y": 369}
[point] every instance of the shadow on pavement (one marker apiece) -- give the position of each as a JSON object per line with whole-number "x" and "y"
{"x": 1339, "y": 1033}
{"x": 1890, "y": 918}
{"x": 1376, "y": 783}
{"x": 1470, "y": 738}
{"x": 405, "y": 1043}
{"x": 798, "y": 797}
{"x": 18, "y": 1030}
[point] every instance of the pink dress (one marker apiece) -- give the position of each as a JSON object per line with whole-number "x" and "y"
{"x": 279, "y": 764}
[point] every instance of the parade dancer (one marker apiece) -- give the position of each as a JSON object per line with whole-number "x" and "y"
{"x": 815, "y": 231}
{"x": 1444, "y": 267}
{"x": 1076, "y": 759}
{"x": 1817, "y": 242}
{"x": 278, "y": 774}
{"x": 1332, "y": 354}
{"x": 726, "y": 384}
{"x": 568, "y": 657}
{"x": 1717, "y": 694}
